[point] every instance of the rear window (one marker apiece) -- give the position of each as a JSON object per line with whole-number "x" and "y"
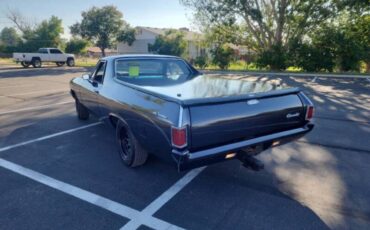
{"x": 152, "y": 71}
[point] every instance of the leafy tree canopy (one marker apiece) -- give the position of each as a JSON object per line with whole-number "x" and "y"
{"x": 171, "y": 43}
{"x": 102, "y": 26}
{"x": 10, "y": 37}
{"x": 76, "y": 46}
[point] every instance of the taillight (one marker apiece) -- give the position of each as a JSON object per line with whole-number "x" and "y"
{"x": 309, "y": 112}
{"x": 179, "y": 137}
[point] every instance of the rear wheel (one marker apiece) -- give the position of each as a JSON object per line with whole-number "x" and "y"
{"x": 71, "y": 62}
{"x": 60, "y": 63}
{"x": 130, "y": 151}
{"x": 82, "y": 112}
{"x": 36, "y": 63}
{"x": 25, "y": 64}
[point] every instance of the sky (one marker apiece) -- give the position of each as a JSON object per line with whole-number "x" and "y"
{"x": 152, "y": 13}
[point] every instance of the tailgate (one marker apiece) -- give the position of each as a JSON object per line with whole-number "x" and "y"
{"x": 228, "y": 122}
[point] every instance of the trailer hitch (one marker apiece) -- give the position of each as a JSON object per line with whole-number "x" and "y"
{"x": 250, "y": 162}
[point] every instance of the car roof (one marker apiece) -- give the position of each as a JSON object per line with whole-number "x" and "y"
{"x": 139, "y": 56}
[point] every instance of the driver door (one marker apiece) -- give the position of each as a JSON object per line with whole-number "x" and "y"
{"x": 93, "y": 86}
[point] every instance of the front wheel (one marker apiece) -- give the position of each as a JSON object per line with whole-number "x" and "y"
{"x": 82, "y": 112}
{"x": 130, "y": 151}
{"x": 25, "y": 64}
{"x": 71, "y": 62}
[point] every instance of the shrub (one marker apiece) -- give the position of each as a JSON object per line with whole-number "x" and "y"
{"x": 274, "y": 58}
{"x": 201, "y": 61}
{"x": 222, "y": 56}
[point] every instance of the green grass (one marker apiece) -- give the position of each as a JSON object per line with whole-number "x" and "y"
{"x": 244, "y": 66}
{"x": 86, "y": 62}
{"x": 6, "y": 61}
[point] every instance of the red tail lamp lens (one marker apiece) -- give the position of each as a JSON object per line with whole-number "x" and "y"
{"x": 309, "y": 113}
{"x": 179, "y": 137}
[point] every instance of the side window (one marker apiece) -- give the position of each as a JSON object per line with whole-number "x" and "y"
{"x": 43, "y": 51}
{"x": 55, "y": 51}
{"x": 99, "y": 72}
{"x": 175, "y": 70}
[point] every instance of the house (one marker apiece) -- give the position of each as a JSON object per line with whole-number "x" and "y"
{"x": 147, "y": 35}
{"x": 96, "y": 52}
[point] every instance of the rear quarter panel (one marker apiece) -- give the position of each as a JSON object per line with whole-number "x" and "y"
{"x": 148, "y": 117}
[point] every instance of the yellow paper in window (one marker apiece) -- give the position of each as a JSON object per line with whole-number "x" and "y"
{"x": 133, "y": 71}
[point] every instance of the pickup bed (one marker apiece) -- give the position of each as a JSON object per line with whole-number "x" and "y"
{"x": 44, "y": 55}
{"x": 161, "y": 105}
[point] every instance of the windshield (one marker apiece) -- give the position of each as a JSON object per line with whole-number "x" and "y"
{"x": 153, "y": 72}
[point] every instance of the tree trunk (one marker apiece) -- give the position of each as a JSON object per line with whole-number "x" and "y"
{"x": 368, "y": 67}
{"x": 102, "y": 51}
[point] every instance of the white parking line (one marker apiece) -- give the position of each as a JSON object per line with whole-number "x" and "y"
{"x": 145, "y": 217}
{"x": 314, "y": 79}
{"x": 87, "y": 196}
{"x": 368, "y": 79}
{"x": 9, "y": 86}
{"x": 48, "y": 136}
{"x": 34, "y": 107}
{"x": 35, "y": 92}
{"x": 163, "y": 199}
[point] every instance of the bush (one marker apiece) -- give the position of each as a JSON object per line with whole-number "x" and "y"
{"x": 76, "y": 46}
{"x": 201, "y": 61}
{"x": 313, "y": 58}
{"x": 274, "y": 58}
{"x": 222, "y": 56}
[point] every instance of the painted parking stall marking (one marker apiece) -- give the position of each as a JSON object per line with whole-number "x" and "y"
{"x": 164, "y": 198}
{"x": 35, "y": 92}
{"x": 48, "y": 136}
{"x": 34, "y": 108}
{"x": 138, "y": 218}
{"x": 87, "y": 196}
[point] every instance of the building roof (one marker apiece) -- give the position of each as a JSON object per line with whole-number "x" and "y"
{"x": 189, "y": 35}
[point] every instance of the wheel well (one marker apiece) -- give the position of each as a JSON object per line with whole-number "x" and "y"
{"x": 73, "y": 94}
{"x": 70, "y": 58}
{"x": 113, "y": 120}
{"x": 35, "y": 58}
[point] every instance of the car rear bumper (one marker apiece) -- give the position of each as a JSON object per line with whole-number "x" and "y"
{"x": 187, "y": 160}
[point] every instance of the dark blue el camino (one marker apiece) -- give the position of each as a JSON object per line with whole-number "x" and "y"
{"x": 161, "y": 105}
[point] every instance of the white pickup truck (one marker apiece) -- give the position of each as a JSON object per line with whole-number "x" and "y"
{"x": 44, "y": 55}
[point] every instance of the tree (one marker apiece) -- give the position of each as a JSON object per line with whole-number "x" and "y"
{"x": 268, "y": 23}
{"x": 126, "y": 35}
{"x": 101, "y": 26}
{"x": 76, "y": 46}
{"x": 23, "y": 24}
{"x": 222, "y": 56}
{"x": 47, "y": 33}
{"x": 171, "y": 43}
{"x": 10, "y": 37}
{"x": 36, "y": 35}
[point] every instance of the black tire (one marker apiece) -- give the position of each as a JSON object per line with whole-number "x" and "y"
{"x": 25, "y": 64}
{"x": 59, "y": 64}
{"x": 130, "y": 151}
{"x": 82, "y": 112}
{"x": 71, "y": 62}
{"x": 36, "y": 63}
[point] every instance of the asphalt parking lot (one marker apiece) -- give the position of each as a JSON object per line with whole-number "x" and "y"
{"x": 58, "y": 172}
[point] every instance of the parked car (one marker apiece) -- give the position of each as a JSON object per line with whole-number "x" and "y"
{"x": 161, "y": 105}
{"x": 44, "y": 55}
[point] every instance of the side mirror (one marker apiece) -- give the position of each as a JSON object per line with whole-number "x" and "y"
{"x": 86, "y": 76}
